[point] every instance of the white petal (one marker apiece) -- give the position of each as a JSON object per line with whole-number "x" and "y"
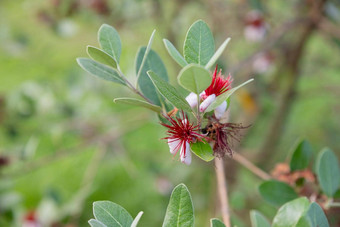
{"x": 219, "y": 111}
{"x": 192, "y": 99}
{"x": 204, "y": 105}
{"x": 254, "y": 34}
{"x": 173, "y": 145}
{"x": 186, "y": 159}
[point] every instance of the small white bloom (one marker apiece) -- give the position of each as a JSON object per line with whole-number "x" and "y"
{"x": 219, "y": 111}
{"x": 254, "y": 34}
{"x": 186, "y": 156}
{"x": 204, "y": 105}
{"x": 173, "y": 145}
{"x": 192, "y": 99}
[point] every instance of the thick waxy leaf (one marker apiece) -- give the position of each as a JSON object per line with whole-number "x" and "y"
{"x": 277, "y": 192}
{"x": 96, "y": 223}
{"x": 301, "y": 156}
{"x": 290, "y": 213}
{"x": 174, "y": 53}
{"x": 214, "y": 222}
{"x": 328, "y": 173}
{"x": 138, "y": 102}
{"x": 199, "y": 44}
{"x": 101, "y": 56}
{"x": 316, "y": 216}
{"x": 180, "y": 212}
{"x": 258, "y": 220}
{"x": 203, "y": 151}
{"x": 111, "y": 214}
{"x": 194, "y": 78}
{"x": 136, "y": 220}
{"x": 217, "y": 54}
{"x": 221, "y": 98}
{"x": 169, "y": 92}
{"x": 109, "y": 41}
{"x": 100, "y": 70}
{"x": 154, "y": 63}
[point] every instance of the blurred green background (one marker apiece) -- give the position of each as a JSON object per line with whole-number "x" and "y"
{"x": 65, "y": 144}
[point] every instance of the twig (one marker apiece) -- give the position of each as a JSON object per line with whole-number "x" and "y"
{"x": 222, "y": 190}
{"x": 251, "y": 167}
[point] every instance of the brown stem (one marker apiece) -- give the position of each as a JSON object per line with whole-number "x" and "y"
{"x": 251, "y": 167}
{"x": 222, "y": 190}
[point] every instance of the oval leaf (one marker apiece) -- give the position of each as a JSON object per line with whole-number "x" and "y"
{"x": 136, "y": 220}
{"x": 137, "y": 102}
{"x": 221, "y": 98}
{"x": 203, "y": 151}
{"x": 327, "y": 171}
{"x": 96, "y": 223}
{"x": 301, "y": 156}
{"x": 174, "y": 53}
{"x": 258, "y": 220}
{"x": 180, "y": 212}
{"x": 199, "y": 44}
{"x": 214, "y": 222}
{"x": 100, "y": 70}
{"x": 111, "y": 214}
{"x": 101, "y": 56}
{"x": 217, "y": 54}
{"x": 154, "y": 63}
{"x": 289, "y": 214}
{"x": 316, "y": 216}
{"x": 109, "y": 41}
{"x": 277, "y": 192}
{"x": 169, "y": 92}
{"x": 194, "y": 78}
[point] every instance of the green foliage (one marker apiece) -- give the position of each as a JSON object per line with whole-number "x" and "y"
{"x": 169, "y": 92}
{"x": 328, "y": 172}
{"x": 301, "y": 156}
{"x": 217, "y": 54}
{"x": 194, "y": 78}
{"x": 214, "y": 222}
{"x": 136, "y": 220}
{"x": 101, "y": 56}
{"x": 258, "y": 220}
{"x": 316, "y": 216}
{"x": 109, "y": 41}
{"x": 100, "y": 70}
{"x": 180, "y": 212}
{"x": 174, "y": 53}
{"x": 202, "y": 150}
{"x": 96, "y": 223}
{"x": 138, "y": 102}
{"x": 199, "y": 44}
{"x": 277, "y": 192}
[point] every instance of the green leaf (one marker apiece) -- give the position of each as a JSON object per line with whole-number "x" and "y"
{"x": 174, "y": 53}
{"x": 154, "y": 63}
{"x": 327, "y": 171}
{"x": 203, "y": 151}
{"x": 136, "y": 220}
{"x": 289, "y": 214}
{"x": 169, "y": 92}
{"x": 96, "y": 223}
{"x": 101, "y": 56}
{"x": 258, "y": 220}
{"x": 141, "y": 59}
{"x": 111, "y": 214}
{"x": 277, "y": 192}
{"x": 301, "y": 156}
{"x": 180, "y": 212}
{"x": 100, "y": 70}
{"x": 194, "y": 78}
{"x": 137, "y": 102}
{"x": 199, "y": 44}
{"x": 217, "y": 54}
{"x": 214, "y": 222}
{"x": 109, "y": 41}
{"x": 221, "y": 98}
{"x": 316, "y": 216}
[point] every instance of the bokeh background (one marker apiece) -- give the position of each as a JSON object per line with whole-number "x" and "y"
{"x": 65, "y": 144}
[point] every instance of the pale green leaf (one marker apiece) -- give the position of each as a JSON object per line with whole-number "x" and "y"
{"x": 96, "y": 223}
{"x": 221, "y": 98}
{"x": 180, "y": 212}
{"x": 137, "y": 102}
{"x": 100, "y": 70}
{"x": 194, "y": 78}
{"x": 202, "y": 150}
{"x": 109, "y": 41}
{"x": 217, "y": 54}
{"x": 214, "y": 222}
{"x": 258, "y": 220}
{"x": 316, "y": 216}
{"x": 199, "y": 44}
{"x": 143, "y": 55}
{"x": 136, "y": 220}
{"x": 111, "y": 214}
{"x": 101, "y": 56}
{"x": 169, "y": 92}
{"x": 174, "y": 53}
